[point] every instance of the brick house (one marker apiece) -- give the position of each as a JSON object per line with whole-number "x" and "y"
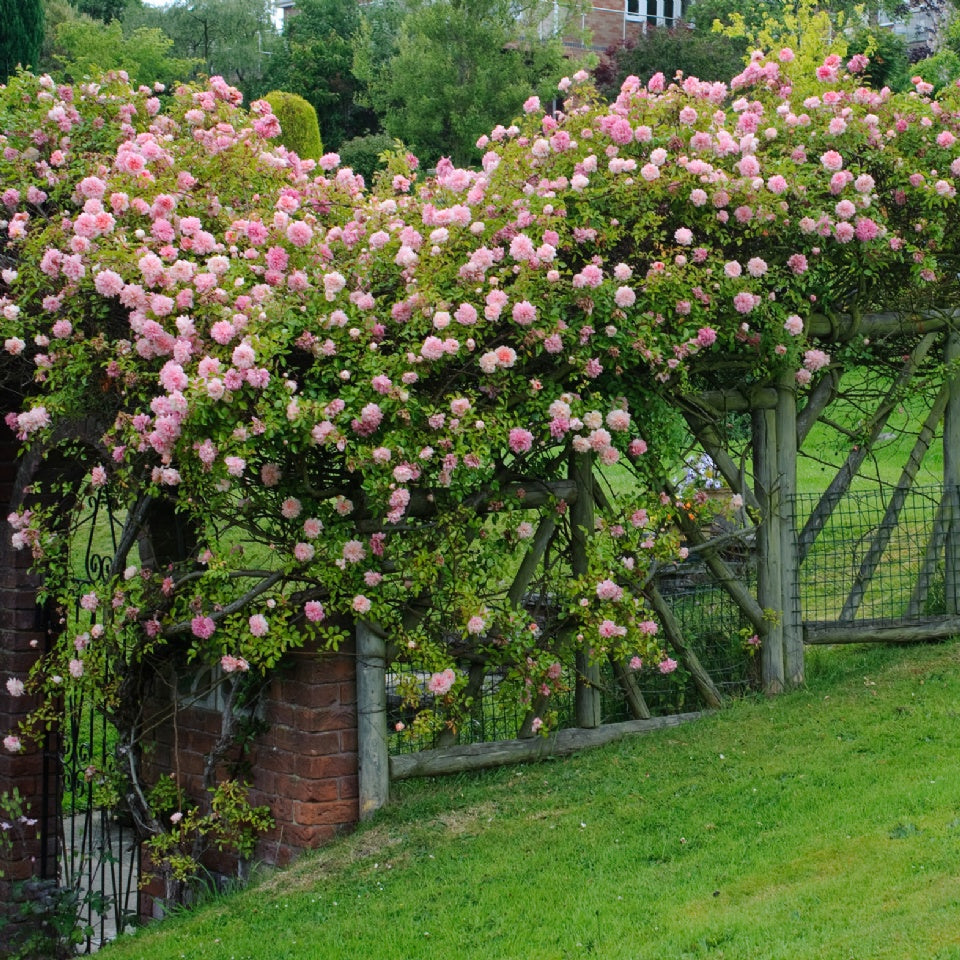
{"x": 607, "y": 22}
{"x": 610, "y": 22}
{"x": 613, "y": 21}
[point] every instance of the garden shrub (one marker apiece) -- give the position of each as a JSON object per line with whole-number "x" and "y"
{"x": 364, "y": 155}
{"x": 300, "y": 130}
{"x": 942, "y": 69}
{"x": 709, "y": 56}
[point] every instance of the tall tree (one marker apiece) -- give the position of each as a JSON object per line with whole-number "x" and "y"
{"x": 55, "y": 12}
{"x": 85, "y": 46}
{"x": 315, "y": 60}
{"x": 459, "y": 67}
{"x": 22, "y": 35}
{"x": 105, "y": 10}
{"x": 231, "y": 38}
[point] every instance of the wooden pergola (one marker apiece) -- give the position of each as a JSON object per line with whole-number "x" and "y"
{"x": 780, "y": 421}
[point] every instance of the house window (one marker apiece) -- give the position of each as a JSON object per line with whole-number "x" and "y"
{"x": 654, "y": 11}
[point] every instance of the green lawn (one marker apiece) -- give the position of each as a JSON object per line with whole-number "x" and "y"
{"x": 822, "y": 824}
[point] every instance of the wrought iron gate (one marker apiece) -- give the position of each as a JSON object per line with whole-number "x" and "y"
{"x": 90, "y": 851}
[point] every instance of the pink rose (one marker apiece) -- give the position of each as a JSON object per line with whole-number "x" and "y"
{"x": 520, "y": 440}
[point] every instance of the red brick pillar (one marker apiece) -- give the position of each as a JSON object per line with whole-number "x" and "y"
{"x": 22, "y": 637}
{"x": 303, "y": 767}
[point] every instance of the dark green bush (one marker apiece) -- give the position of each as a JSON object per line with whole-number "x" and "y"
{"x": 889, "y": 58}
{"x": 362, "y": 154}
{"x": 942, "y": 69}
{"x": 708, "y": 56}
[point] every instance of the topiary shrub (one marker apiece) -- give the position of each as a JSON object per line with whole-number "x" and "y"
{"x": 362, "y": 154}
{"x": 300, "y": 130}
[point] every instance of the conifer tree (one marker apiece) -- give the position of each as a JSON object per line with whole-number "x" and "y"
{"x": 22, "y": 35}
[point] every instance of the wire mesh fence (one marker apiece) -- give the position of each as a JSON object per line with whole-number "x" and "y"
{"x": 879, "y": 556}
{"x": 710, "y": 622}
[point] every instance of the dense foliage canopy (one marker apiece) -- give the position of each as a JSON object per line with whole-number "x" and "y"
{"x": 453, "y": 69}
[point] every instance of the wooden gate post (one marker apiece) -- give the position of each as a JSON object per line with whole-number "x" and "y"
{"x": 951, "y": 478}
{"x": 587, "y": 693}
{"x": 769, "y": 574}
{"x": 789, "y": 609}
{"x": 373, "y": 759}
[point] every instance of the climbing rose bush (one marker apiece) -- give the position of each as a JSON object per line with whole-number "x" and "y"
{"x": 363, "y": 400}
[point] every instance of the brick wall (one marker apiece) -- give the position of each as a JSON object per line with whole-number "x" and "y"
{"x": 303, "y": 767}
{"x": 608, "y": 25}
{"x": 22, "y": 634}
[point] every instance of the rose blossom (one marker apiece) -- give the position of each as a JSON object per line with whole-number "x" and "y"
{"x": 440, "y": 683}
{"x": 520, "y": 440}
{"x": 608, "y": 590}
{"x": 202, "y": 627}
{"x": 793, "y": 325}
{"x": 831, "y": 160}
{"x": 814, "y": 360}
{"x": 303, "y": 552}
{"x": 361, "y": 604}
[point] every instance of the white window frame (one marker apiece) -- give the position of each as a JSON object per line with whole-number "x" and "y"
{"x": 639, "y": 11}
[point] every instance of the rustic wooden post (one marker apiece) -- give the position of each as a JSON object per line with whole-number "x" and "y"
{"x": 538, "y": 547}
{"x": 701, "y": 679}
{"x": 723, "y": 576}
{"x": 713, "y": 446}
{"x": 951, "y": 478}
{"x": 632, "y": 694}
{"x": 373, "y": 759}
{"x": 587, "y": 693}
{"x": 936, "y": 543}
{"x": 819, "y": 398}
{"x": 791, "y": 624}
{"x": 561, "y": 743}
{"x": 769, "y": 573}
{"x": 636, "y": 703}
{"x": 528, "y": 566}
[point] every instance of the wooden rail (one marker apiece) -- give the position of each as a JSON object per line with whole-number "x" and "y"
{"x": 479, "y": 756}
{"x": 914, "y": 631}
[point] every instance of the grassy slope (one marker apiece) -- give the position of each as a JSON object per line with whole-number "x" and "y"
{"x": 824, "y": 824}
